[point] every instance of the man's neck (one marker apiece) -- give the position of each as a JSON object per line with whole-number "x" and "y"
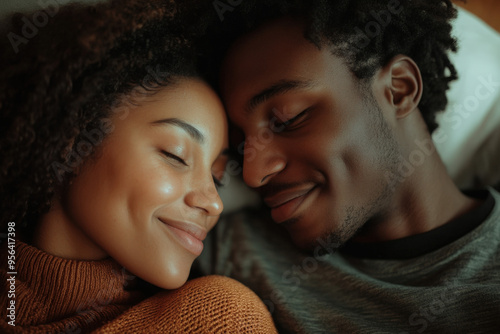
{"x": 421, "y": 201}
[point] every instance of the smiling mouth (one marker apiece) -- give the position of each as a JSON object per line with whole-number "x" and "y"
{"x": 189, "y": 235}
{"x": 285, "y": 204}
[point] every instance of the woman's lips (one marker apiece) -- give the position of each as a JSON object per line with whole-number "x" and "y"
{"x": 189, "y": 235}
{"x": 285, "y": 204}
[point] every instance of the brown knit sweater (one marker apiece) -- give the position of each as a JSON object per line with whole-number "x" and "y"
{"x": 55, "y": 295}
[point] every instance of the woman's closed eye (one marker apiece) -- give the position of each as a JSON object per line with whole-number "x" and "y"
{"x": 174, "y": 157}
{"x": 218, "y": 183}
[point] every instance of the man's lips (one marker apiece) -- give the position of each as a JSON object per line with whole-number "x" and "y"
{"x": 189, "y": 235}
{"x": 285, "y": 203}
{"x": 285, "y": 196}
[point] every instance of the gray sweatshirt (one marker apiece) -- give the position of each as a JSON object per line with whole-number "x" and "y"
{"x": 401, "y": 286}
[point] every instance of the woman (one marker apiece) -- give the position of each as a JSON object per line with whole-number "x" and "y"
{"x": 113, "y": 149}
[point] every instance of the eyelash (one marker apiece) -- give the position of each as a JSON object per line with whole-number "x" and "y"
{"x": 218, "y": 183}
{"x": 292, "y": 120}
{"x": 173, "y": 156}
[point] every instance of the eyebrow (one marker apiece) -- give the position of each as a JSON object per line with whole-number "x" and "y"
{"x": 191, "y": 130}
{"x": 278, "y": 88}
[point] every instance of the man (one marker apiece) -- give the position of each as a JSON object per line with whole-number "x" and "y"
{"x": 335, "y": 101}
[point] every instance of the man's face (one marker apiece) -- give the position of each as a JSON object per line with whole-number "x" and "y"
{"x": 317, "y": 145}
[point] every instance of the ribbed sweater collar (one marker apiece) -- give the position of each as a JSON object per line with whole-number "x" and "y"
{"x": 51, "y": 288}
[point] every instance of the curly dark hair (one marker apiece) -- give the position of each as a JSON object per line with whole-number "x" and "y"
{"x": 60, "y": 86}
{"x": 365, "y": 33}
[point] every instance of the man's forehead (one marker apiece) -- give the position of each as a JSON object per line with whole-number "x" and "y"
{"x": 275, "y": 52}
{"x": 271, "y": 37}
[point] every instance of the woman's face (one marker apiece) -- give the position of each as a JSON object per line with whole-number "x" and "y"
{"x": 148, "y": 198}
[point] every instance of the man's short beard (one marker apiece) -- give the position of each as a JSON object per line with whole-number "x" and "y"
{"x": 357, "y": 217}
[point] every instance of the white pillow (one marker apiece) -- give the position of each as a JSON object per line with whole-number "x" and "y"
{"x": 468, "y": 137}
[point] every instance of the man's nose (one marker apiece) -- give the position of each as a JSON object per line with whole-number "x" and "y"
{"x": 262, "y": 163}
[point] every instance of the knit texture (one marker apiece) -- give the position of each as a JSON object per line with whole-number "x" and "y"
{"x": 55, "y": 295}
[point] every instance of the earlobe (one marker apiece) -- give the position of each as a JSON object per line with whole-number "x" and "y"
{"x": 405, "y": 84}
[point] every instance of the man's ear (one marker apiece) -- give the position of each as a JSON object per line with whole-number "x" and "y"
{"x": 404, "y": 84}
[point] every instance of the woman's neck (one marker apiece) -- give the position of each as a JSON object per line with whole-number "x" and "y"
{"x": 56, "y": 234}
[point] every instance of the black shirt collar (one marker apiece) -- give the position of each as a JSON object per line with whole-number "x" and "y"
{"x": 423, "y": 243}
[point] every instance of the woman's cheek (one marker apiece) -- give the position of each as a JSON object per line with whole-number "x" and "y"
{"x": 165, "y": 191}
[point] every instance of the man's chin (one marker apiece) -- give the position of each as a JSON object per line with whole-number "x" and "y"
{"x": 301, "y": 236}
{"x": 317, "y": 245}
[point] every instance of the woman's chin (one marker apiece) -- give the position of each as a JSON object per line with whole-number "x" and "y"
{"x": 170, "y": 278}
